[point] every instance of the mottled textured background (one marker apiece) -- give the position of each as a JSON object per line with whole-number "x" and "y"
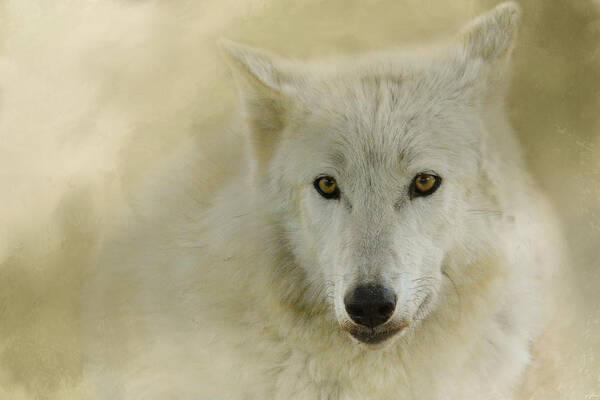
{"x": 94, "y": 93}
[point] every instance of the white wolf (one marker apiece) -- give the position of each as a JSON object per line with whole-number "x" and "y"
{"x": 382, "y": 240}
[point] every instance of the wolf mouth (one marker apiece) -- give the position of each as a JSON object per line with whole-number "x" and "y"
{"x": 375, "y": 336}
{"x": 369, "y": 337}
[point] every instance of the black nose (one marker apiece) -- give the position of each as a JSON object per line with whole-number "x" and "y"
{"x": 370, "y": 305}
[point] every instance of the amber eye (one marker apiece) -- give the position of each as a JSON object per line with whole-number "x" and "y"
{"x": 425, "y": 184}
{"x": 327, "y": 187}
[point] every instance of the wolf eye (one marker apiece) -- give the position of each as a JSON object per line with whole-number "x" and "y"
{"x": 327, "y": 187}
{"x": 424, "y": 184}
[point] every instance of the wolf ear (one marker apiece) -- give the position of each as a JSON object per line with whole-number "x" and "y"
{"x": 491, "y": 36}
{"x": 265, "y": 87}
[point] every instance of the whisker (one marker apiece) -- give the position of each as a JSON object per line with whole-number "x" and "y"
{"x": 495, "y": 213}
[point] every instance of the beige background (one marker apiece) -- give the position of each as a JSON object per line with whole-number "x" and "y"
{"x": 95, "y": 93}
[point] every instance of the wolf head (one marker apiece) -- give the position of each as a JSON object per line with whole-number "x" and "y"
{"x": 372, "y": 166}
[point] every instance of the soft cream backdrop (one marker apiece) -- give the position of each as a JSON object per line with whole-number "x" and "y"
{"x": 94, "y": 93}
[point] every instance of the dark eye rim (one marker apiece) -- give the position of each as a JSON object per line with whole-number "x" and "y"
{"x": 329, "y": 196}
{"x": 414, "y": 192}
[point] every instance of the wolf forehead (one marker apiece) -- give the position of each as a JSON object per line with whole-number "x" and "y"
{"x": 379, "y": 118}
{"x": 387, "y": 93}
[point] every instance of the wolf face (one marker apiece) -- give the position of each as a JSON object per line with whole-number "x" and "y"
{"x": 371, "y": 167}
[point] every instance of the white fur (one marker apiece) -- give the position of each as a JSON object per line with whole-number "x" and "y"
{"x": 243, "y": 298}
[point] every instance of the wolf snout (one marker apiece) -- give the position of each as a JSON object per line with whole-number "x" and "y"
{"x": 370, "y": 305}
